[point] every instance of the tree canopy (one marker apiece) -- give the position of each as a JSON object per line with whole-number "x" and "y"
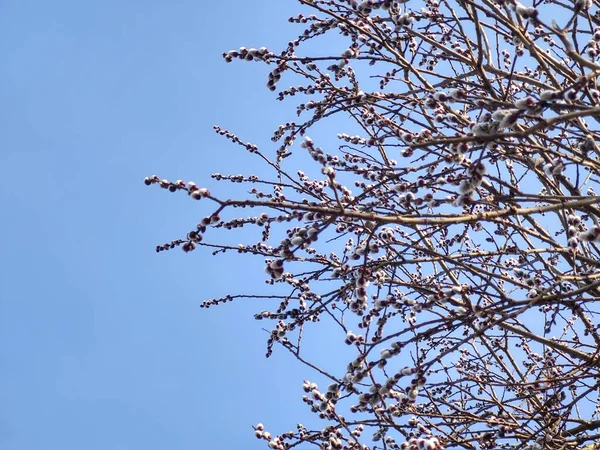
{"x": 450, "y": 236}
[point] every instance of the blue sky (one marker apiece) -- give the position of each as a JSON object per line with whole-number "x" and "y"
{"x": 102, "y": 341}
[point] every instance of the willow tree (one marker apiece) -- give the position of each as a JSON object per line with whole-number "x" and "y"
{"x": 450, "y": 233}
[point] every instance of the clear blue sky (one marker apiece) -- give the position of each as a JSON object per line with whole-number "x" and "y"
{"x": 102, "y": 342}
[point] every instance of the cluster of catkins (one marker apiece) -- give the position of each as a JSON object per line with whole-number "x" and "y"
{"x": 194, "y": 191}
{"x": 577, "y": 232}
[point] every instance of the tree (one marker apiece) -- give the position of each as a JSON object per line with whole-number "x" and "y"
{"x": 452, "y": 239}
